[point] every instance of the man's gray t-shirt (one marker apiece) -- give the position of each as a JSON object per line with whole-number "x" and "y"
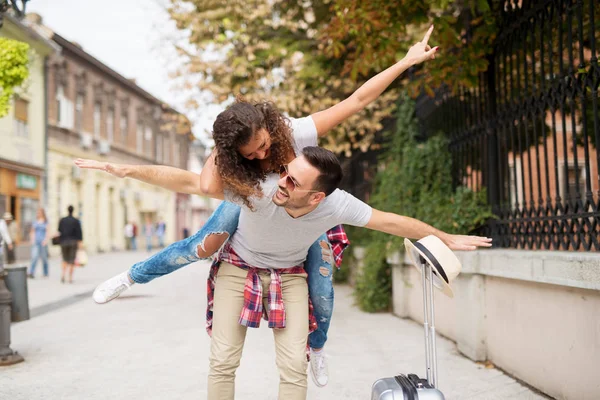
{"x": 269, "y": 237}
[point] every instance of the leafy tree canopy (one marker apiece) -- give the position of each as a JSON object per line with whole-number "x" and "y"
{"x": 306, "y": 56}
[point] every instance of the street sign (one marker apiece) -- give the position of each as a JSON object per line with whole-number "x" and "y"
{"x": 25, "y": 181}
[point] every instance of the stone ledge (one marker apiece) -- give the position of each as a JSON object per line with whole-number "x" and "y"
{"x": 572, "y": 269}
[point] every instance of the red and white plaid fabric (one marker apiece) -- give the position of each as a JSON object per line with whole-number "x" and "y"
{"x": 252, "y": 310}
{"x": 339, "y": 241}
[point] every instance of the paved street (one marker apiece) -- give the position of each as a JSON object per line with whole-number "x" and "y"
{"x": 151, "y": 344}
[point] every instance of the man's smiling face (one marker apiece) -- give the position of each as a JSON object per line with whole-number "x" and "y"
{"x": 296, "y": 185}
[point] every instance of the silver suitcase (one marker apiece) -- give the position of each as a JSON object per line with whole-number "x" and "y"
{"x": 411, "y": 387}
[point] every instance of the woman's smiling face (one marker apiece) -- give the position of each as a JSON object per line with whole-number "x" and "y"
{"x": 258, "y": 147}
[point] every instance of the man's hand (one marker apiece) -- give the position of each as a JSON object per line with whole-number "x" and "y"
{"x": 421, "y": 51}
{"x": 464, "y": 242}
{"x": 10, "y": 246}
{"x": 117, "y": 170}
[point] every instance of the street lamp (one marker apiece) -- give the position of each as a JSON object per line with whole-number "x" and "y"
{"x": 7, "y": 356}
{"x": 14, "y": 5}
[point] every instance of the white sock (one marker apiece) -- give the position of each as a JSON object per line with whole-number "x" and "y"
{"x": 129, "y": 280}
{"x": 316, "y": 351}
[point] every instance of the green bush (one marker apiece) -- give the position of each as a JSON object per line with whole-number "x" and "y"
{"x": 414, "y": 180}
{"x": 343, "y": 274}
{"x": 358, "y": 236}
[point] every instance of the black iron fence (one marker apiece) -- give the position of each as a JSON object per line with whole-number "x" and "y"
{"x": 529, "y": 132}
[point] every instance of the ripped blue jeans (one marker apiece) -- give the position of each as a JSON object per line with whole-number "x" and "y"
{"x": 225, "y": 220}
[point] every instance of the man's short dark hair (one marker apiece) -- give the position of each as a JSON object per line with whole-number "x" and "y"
{"x": 328, "y": 165}
{"x": 70, "y": 210}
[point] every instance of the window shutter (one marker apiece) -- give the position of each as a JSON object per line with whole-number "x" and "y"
{"x": 21, "y": 107}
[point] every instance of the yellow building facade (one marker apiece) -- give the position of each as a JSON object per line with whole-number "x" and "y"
{"x": 102, "y": 202}
{"x": 23, "y": 133}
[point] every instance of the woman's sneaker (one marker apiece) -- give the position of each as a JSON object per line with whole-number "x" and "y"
{"x": 318, "y": 368}
{"x": 112, "y": 288}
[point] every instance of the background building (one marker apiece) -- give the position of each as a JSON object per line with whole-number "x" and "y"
{"x": 200, "y": 207}
{"x": 94, "y": 112}
{"x": 22, "y": 136}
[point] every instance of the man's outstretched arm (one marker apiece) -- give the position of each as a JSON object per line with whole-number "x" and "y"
{"x": 175, "y": 179}
{"x": 412, "y": 228}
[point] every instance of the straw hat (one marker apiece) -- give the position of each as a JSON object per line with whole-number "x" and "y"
{"x": 445, "y": 265}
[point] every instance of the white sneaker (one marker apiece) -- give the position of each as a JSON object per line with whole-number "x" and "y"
{"x": 112, "y": 288}
{"x": 318, "y": 368}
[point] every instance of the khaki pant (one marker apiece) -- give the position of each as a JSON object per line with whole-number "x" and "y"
{"x": 228, "y": 335}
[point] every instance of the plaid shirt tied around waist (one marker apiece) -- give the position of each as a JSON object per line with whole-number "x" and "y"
{"x": 252, "y": 309}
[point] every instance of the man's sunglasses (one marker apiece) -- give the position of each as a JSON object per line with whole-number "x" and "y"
{"x": 290, "y": 183}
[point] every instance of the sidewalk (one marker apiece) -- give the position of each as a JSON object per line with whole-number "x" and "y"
{"x": 48, "y": 293}
{"x": 151, "y": 344}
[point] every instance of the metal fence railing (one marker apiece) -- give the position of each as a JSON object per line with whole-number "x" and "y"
{"x": 529, "y": 131}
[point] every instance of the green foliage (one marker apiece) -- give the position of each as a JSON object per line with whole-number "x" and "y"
{"x": 368, "y": 36}
{"x": 343, "y": 274}
{"x": 308, "y": 56}
{"x": 415, "y": 180}
{"x": 374, "y": 284}
{"x": 13, "y": 70}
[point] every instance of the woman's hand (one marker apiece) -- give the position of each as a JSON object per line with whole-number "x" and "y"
{"x": 117, "y": 170}
{"x": 421, "y": 51}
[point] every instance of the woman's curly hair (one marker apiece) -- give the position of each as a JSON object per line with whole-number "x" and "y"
{"x": 235, "y": 127}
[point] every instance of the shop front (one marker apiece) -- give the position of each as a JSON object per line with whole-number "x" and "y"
{"x": 20, "y": 189}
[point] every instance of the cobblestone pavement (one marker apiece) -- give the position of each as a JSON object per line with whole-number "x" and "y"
{"x": 151, "y": 344}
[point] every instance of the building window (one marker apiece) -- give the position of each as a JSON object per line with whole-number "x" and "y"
{"x": 60, "y": 95}
{"x": 79, "y": 113}
{"x": 2, "y": 204}
{"x": 123, "y": 127}
{"x": 516, "y": 184}
{"x": 64, "y": 109}
{"x": 139, "y": 137}
{"x": 573, "y": 181}
{"x": 110, "y": 125}
{"x": 159, "y": 148}
{"x": 20, "y": 118}
{"x": 148, "y": 141}
{"x": 59, "y": 198}
{"x": 167, "y": 149}
{"x": 97, "y": 116}
{"x": 176, "y": 153}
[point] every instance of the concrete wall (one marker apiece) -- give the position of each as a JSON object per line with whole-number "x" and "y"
{"x": 536, "y": 315}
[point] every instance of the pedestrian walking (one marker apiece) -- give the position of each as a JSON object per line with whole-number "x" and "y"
{"x": 5, "y": 239}
{"x": 129, "y": 235}
{"x": 134, "y": 237}
{"x": 161, "y": 228}
{"x": 39, "y": 240}
{"x": 71, "y": 238}
{"x": 13, "y": 232}
{"x": 148, "y": 232}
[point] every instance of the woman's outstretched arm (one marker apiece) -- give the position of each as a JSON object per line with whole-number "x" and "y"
{"x": 327, "y": 119}
{"x": 171, "y": 178}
